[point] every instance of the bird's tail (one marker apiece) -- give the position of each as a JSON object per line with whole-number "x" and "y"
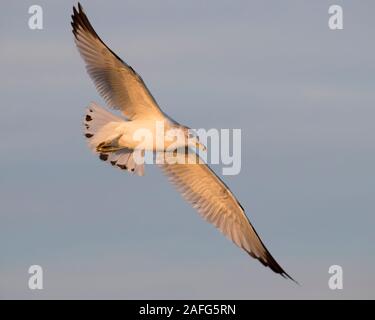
{"x": 100, "y": 130}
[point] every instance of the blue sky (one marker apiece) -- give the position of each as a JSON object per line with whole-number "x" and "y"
{"x": 303, "y": 96}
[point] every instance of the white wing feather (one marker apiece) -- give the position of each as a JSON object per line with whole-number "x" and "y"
{"x": 214, "y": 201}
{"x": 120, "y": 86}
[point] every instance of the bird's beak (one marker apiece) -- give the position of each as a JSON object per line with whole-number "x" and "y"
{"x": 200, "y": 146}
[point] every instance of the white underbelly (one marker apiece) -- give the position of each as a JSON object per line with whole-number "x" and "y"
{"x": 146, "y": 135}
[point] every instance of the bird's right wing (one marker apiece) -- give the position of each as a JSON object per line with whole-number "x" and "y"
{"x": 200, "y": 186}
{"x": 120, "y": 86}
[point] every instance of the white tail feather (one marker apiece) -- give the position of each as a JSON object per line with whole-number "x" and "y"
{"x": 101, "y": 126}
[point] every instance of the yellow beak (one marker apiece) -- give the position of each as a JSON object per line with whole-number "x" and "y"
{"x": 200, "y": 146}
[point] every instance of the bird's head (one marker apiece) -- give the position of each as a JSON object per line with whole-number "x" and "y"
{"x": 192, "y": 139}
{"x": 184, "y": 136}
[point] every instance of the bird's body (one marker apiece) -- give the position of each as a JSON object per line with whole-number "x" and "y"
{"x": 116, "y": 139}
{"x": 128, "y": 131}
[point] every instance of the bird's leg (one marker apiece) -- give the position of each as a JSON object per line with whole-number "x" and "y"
{"x": 110, "y": 145}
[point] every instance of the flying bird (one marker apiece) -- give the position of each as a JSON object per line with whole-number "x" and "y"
{"x": 111, "y": 137}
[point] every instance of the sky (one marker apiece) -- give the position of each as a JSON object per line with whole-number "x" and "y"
{"x": 303, "y": 96}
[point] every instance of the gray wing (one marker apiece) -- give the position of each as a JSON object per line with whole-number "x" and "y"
{"x": 120, "y": 86}
{"x": 200, "y": 186}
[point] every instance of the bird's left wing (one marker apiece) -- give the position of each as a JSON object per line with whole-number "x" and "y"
{"x": 200, "y": 186}
{"x": 120, "y": 86}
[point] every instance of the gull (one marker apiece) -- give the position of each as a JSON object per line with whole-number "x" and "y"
{"x": 112, "y": 138}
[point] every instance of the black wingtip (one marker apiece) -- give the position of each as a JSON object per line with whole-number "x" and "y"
{"x": 287, "y": 276}
{"x": 278, "y": 269}
{"x": 81, "y": 25}
{"x": 270, "y": 262}
{"x": 80, "y": 21}
{"x": 77, "y": 19}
